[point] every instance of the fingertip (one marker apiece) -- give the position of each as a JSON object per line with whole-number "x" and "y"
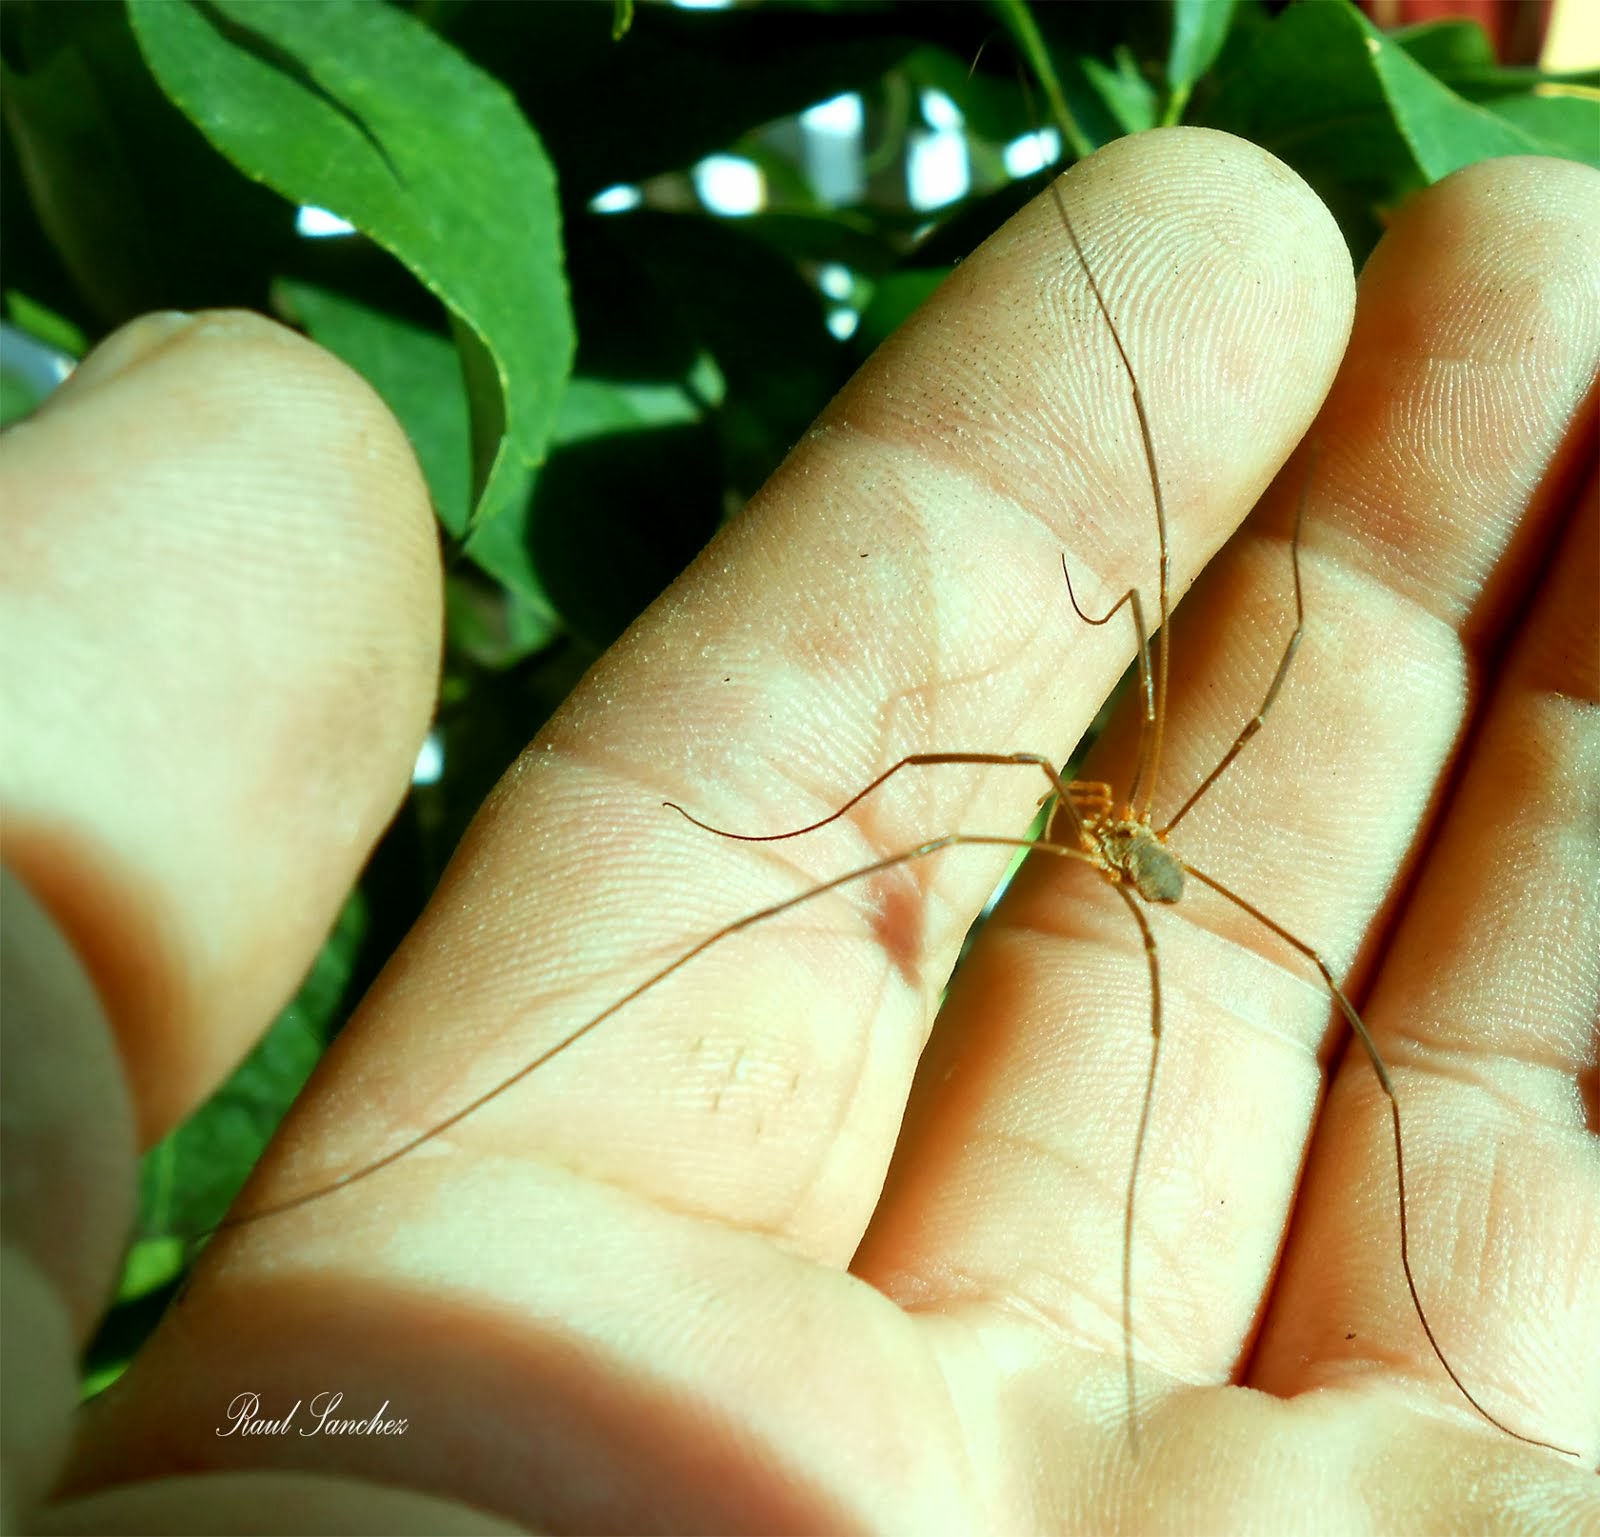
{"x": 1476, "y": 343}
{"x": 1512, "y": 277}
{"x": 220, "y": 640}
{"x": 1232, "y": 293}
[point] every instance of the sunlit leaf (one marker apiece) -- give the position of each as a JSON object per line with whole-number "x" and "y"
{"x": 320, "y": 102}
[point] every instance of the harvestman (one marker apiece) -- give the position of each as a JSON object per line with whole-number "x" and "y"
{"x": 1116, "y": 837}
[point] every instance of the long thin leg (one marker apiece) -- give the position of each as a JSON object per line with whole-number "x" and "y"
{"x": 1164, "y": 563}
{"x": 1138, "y": 1158}
{"x": 921, "y": 851}
{"x": 1146, "y": 685}
{"x": 1058, "y": 787}
{"x": 1370, "y": 1046}
{"x": 1254, "y": 724}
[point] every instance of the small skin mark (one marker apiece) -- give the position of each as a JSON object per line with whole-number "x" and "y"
{"x": 896, "y": 924}
{"x": 732, "y": 1078}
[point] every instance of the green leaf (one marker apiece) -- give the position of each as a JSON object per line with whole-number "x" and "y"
{"x": 320, "y": 102}
{"x": 86, "y": 194}
{"x": 1121, "y": 86}
{"x": 598, "y": 408}
{"x": 1568, "y": 126}
{"x": 19, "y": 395}
{"x": 44, "y": 324}
{"x": 1443, "y": 132}
{"x": 500, "y": 548}
{"x": 573, "y": 556}
{"x": 138, "y": 208}
{"x": 1459, "y": 54}
{"x": 1449, "y": 46}
{"x": 1326, "y": 91}
{"x": 1199, "y": 29}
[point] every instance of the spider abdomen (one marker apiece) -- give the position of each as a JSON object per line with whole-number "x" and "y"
{"x": 1133, "y": 852}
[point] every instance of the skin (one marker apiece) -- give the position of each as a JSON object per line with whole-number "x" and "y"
{"x": 734, "y": 1261}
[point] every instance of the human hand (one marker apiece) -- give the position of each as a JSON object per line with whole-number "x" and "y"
{"x": 617, "y": 1298}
